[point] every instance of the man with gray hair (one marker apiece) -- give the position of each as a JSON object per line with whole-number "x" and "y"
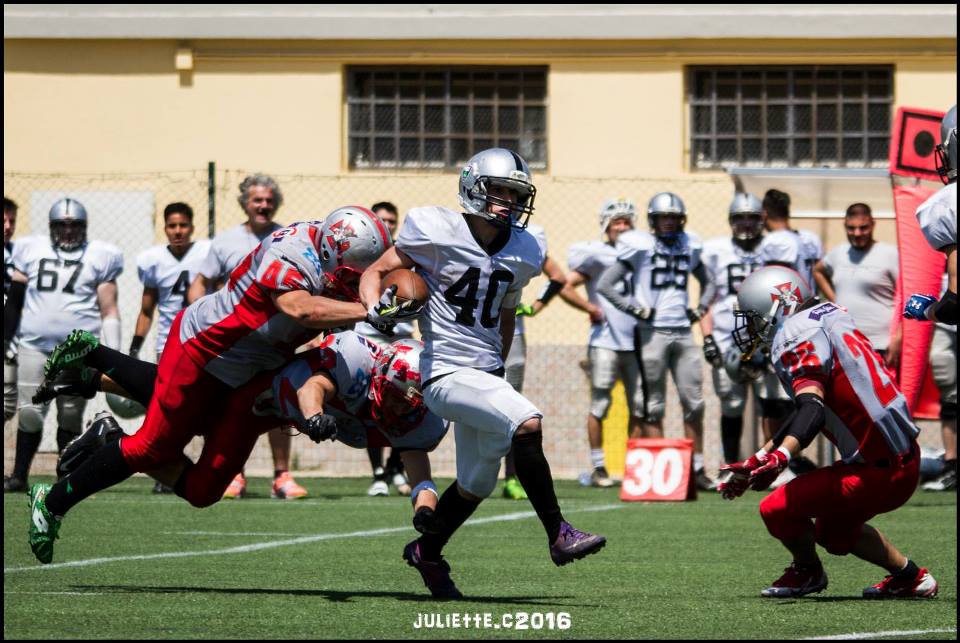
{"x": 260, "y": 197}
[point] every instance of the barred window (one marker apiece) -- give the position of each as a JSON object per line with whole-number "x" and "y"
{"x": 810, "y": 116}
{"x": 437, "y": 118}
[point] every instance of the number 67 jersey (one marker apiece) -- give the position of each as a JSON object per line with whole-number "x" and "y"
{"x": 867, "y": 415}
{"x": 62, "y": 288}
{"x": 468, "y": 287}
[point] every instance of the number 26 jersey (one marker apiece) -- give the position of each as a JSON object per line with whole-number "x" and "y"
{"x": 62, "y": 288}
{"x": 468, "y": 287}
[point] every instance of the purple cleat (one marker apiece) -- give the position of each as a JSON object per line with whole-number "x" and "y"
{"x": 572, "y": 544}
{"x": 436, "y": 575}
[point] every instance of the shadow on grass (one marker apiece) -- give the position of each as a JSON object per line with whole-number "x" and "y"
{"x": 335, "y": 596}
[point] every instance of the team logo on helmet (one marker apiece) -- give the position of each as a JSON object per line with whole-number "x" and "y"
{"x": 788, "y": 293}
{"x": 340, "y": 239}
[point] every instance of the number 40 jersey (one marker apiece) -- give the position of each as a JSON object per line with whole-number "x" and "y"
{"x": 461, "y": 322}
{"x": 171, "y": 277}
{"x": 62, "y": 288}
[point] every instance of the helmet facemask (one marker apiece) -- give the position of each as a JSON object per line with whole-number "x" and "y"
{"x": 669, "y": 237}
{"x": 68, "y": 235}
{"x": 396, "y": 399}
{"x": 522, "y": 208}
{"x": 746, "y": 226}
{"x": 343, "y": 284}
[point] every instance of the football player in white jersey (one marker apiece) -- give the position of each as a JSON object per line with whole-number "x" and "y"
{"x": 260, "y": 197}
{"x": 730, "y": 259}
{"x": 393, "y": 470}
{"x": 938, "y": 221}
{"x": 778, "y": 244}
{"x": 515, "y": 365}
{"x": 275, "y": 301}
{"x": 660, "y": 263}
{"x": 12, "y": 307}
{"x": 610, "y": 346}
{"x": 475, "y": 264}
{"x": 71, "y": 283}
{"x": 840, "y": 387}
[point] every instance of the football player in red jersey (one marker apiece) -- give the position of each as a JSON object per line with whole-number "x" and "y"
{"x": 841, "y": 387}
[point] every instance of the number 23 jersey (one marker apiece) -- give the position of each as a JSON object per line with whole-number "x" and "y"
{"x": 62, "y": 288}
{"x": 460, "y": 323}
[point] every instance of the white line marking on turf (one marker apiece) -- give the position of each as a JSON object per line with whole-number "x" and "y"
{"x": 875, "y": 635}
{"x": 244, "y": 549}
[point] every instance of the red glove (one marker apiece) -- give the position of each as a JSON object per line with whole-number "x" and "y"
{"x": 739, "y": 480}
{"x": 762, "y": 477}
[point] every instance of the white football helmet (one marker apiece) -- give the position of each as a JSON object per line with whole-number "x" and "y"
{"x": 946, "y": 152}
{"x": 68, "y": 224}
{"x": 616, "y": 209}
{"x": 395, "y": 389}
{"x": 505, "y": 168}
{"x": 746, "y": 217}
{"x": 766, "y": 297}
{"x": 351, "y": 239}
{"x": 666, "y": 203}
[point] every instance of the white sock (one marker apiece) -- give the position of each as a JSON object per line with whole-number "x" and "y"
{"x": 697, "y": 461}
{"x": 596, "y": 457}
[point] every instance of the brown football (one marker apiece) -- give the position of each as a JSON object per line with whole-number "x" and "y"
{"x": 409, "y": 284}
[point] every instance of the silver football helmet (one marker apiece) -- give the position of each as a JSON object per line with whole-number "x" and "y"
{"x": 351, "y": 239}
{"x": 666, "y": 204}
{"x": 746, "y": 217}
{"x": 616, "y": 209}
{"x": 766, "y": 297}
{"x": 504, "y": 168}
{"x": 395, "y": 388}
{"x": 68, "y": 224}
{"x": 946, "y": 152}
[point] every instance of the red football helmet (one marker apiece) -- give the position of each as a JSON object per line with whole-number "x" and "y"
{"x": 351, "y": 239}
{"x": 397, "y": 400}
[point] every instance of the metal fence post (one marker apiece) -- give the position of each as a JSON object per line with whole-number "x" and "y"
{"x": 211, "y": 199}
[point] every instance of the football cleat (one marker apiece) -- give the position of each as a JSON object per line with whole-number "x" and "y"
{"x": 103, "y": 429}
{"x": 923, "y": 585}
{"x": 797, "y": 580}
{"x": 236, "y": 489}
{"x": 572, "y": 544}
{"x": 436, "y": 575}
{"x": 378, "y": 488}
{"x": 44, "y": 526}
{"x": 286, "y": 488}
{"x": 70, "y": 353}
{"x": 705, "y": 482}
{"x": 947, "y": 481}
{"x": 513, "y": 490}
{"x": 13, "y": 484}
{"x": 600, "y": 478}
{"x": 400, "y": 482}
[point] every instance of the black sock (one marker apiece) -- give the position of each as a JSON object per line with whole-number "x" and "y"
{"x": 509, "y": 464}
{"x": 452, "y": 511}
{"x": 394, "y": 463}
{"x": 63, "y": 438}
{"x": 180, "y": 486}
{"x": 136, "y": 377}
{"x": 376, "y": 458}
{"x": 950, "y": 465}
{"x": 101, "y": 470}
{"x": 533, "y": 471}
{"x": 910, "y": 571}
{"x": 730, "y": 431}
{"x": 277, "y": 472}
{"x": 27, "y": 445}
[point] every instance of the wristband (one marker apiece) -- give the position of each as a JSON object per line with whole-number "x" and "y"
{"x": 550, "y": 291}
{"x": 786, "y": 452}
{"x": 136, "y": 343}
{"x": 426, "y": 485}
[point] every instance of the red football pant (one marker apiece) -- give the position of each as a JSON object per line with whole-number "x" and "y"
{"x": 187, "y": 401}
{"x": 840, "y": 498}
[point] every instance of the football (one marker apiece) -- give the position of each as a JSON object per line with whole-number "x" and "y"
{"x": 410, "y": 285}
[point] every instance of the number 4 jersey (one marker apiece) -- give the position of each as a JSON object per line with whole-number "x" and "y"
{"x": 62, "y": 288}
{"x": 468, "y": 287}
{"x": 171, "y": 277}
{"x": 867, "y": 416}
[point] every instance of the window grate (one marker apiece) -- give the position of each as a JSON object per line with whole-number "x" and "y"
{"x": 437, "y": 118}
{"x": 810, "y": 116}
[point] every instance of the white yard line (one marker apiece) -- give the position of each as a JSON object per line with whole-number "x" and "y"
{"x": 876, "y": 635}
{"x": 302, "y": 540}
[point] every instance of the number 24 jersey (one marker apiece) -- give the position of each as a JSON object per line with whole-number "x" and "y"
{"x": 468, "y": 287}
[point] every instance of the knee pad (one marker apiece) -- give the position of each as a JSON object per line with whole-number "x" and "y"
{"x": 948, "y": 410}
{"x": 31, "y": 418}
{"x": 70, "y": 414}
{"x": 599, "y": 402}
{"x": 481, "y": 480}
{"x": 775, "y": 409}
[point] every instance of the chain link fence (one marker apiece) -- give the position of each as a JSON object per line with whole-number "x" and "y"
{"x": 126, "y": 209}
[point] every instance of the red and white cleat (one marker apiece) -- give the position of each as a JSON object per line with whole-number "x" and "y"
{"x": 797, "y": 580}
{"x": 923, "y": 585}
{"x": 236, "y": 489}
{"x": 286, "y": 488}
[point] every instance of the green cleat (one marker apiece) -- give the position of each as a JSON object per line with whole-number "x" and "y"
{"x": 70, "y": 353}
{"x": 43, "y": 525}
{"x": 513, "y": 490}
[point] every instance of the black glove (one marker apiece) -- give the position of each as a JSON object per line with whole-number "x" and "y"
{"x": 321, "y": 427}
{"x": 711, "y": 351}
{"x": 695, "y": 315}
{"x": 641, "y": 313}
{"x": 426, "y": 521}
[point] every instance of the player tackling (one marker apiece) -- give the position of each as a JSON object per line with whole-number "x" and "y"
{"x": 841, "y": 387}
